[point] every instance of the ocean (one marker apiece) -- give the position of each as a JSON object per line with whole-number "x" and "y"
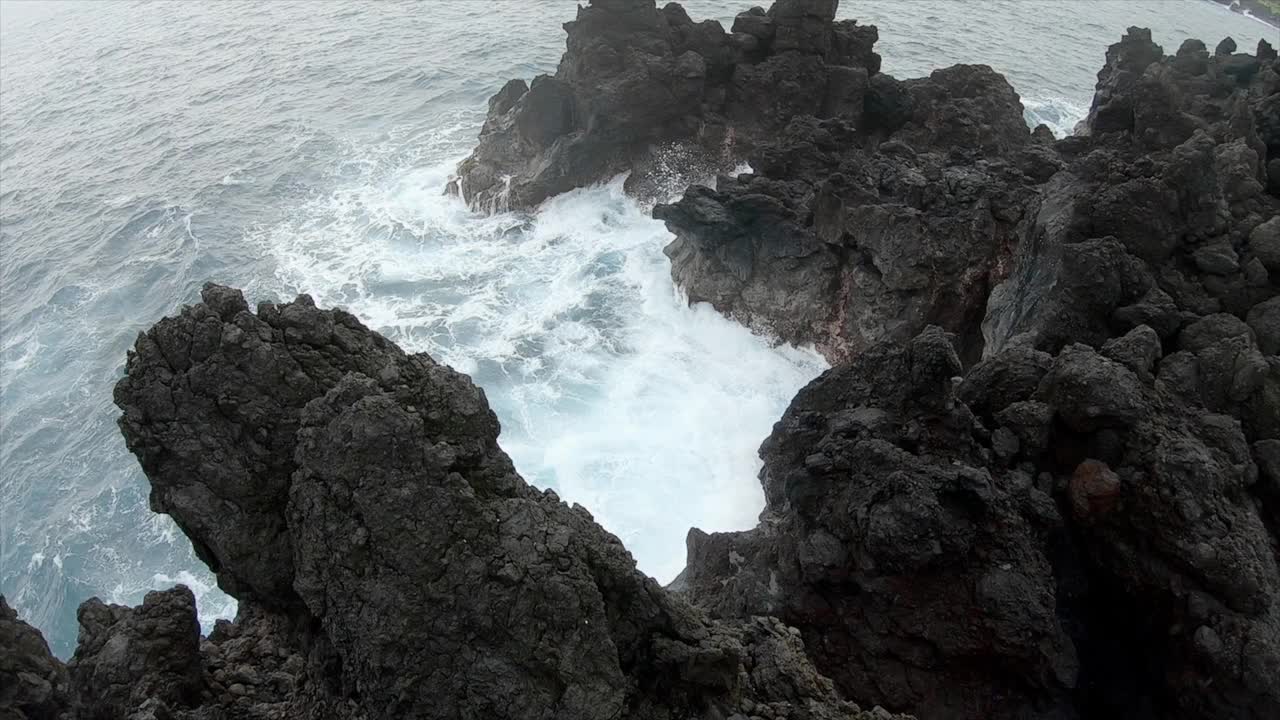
{"x": 286, "y": 147}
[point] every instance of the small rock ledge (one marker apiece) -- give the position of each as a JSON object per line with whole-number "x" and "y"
{"x": 653, "y": 93}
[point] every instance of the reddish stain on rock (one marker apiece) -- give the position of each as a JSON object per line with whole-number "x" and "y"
{"x": 1094, "y": 489}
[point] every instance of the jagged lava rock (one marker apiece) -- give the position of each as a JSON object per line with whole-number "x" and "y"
{"x": 650, "y": 91}
{"x": 845, "y": 235}
{"x": 1161, "y": 215}
{"x": 898, "y": 509}
{"x": 848, "y": 233}
{"x": 1060, "y": 503}
{"x": 126, "y": 657}
{"x": 33, "y": 684}
{"x": 1054, "y": 537}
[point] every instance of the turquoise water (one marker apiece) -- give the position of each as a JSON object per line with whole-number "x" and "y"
{"x": 285, "y": 147}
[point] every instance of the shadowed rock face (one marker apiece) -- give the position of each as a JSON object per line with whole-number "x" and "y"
{"x": 650, "y": 91}
{"x": 831, "y": 243}
{"x": 1062, "y": 536}
{"x": 405, "y": 569}
{"x": 33, "y": 683}
{"x": 127, "y": 657}
{"x": 1162, "y": 214}
{"x": 866, "y": 190}
{"x": 848, "y": 234}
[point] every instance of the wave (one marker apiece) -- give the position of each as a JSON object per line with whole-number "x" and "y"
{"x": 611, "y": 389}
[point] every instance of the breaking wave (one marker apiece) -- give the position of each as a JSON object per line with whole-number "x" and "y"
{"x": 610, "y": 388}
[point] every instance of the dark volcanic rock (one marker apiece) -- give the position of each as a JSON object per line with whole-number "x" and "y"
{"x": 1058, "y": 533}
{"x": 33, "y": 683}
{"x": 1084, "y": 523}
{"x": 938, "y": 557}
{"x": 940, "y": 209}
{"x": 1160, "y": 217}
{"x": 129, "y": 656}
{"x": 411, "y": 572}
{"x": 918, "y": 579}
{"x": 1112, "y": 107}
{"x": 848, "y": 233}
{"x": 841, "y": 245}
{"x": 875, "y": 206}
{"x": 640, "y": 89}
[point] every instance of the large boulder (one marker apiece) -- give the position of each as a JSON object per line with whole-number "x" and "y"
{"x": 643, "y": 89}
{"x": 1160, "y": 217}
{"x": 1055, "y": 532}
{"x": 829, "y": 244}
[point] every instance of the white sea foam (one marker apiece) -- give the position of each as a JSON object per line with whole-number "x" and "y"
{"x": 610, "y": 388}
{"x": 1059, "y": 113}
{"x": 211, "y": 604}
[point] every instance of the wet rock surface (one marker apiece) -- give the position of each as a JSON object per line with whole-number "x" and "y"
{"x": 1058, "y": 536}
{"x": 866, "y": 191}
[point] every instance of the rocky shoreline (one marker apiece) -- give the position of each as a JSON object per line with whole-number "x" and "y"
{"x": 1042, "y": 479}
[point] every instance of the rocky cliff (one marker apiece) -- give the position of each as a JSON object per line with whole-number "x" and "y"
{"x": 389, "y": 561}
{"x": 1083, "y": 521}
{"x": 843, "y": 237}
{"x": 650, "y": 91}
{"x": 1041, "y": 481}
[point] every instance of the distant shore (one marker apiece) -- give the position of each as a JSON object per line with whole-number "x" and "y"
{"x": 1268, "y": 11}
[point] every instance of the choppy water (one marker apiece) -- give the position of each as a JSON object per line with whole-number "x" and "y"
{"x": 288, "y": 147}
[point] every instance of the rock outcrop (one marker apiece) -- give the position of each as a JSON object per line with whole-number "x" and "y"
{"x": 130, "y": 657}
{"x": 1082, "y": 523}
{"x": 34, "y": 685}
{"x": 1161, "y": 215}
{"x": 846, "y": 235}
{"x": 839, "y": 240}
{"x": 875, "y": 206}
{"x": 402, "y": 569}
{"x": 650, "y": 91}
{"x": 1057, "y": 536}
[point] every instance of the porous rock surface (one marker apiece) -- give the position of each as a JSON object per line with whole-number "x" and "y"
{"x": 867, "y": 191}
{"x": 847, "y": 234}
{"x": 403, "y": 568}
{"x": 650, "y": 91}
{"x": 1083, "y": 522}
{"x": 1069, "y": 535}
{"x": 1041, "y": 481}
{"x": 33, "y": 683}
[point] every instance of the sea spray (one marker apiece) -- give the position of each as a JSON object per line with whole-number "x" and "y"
{"x": 611, "y": 389}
